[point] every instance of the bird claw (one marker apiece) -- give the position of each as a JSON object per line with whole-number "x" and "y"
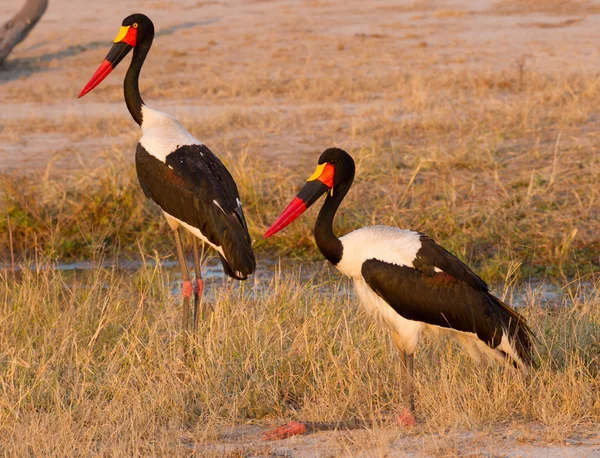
{"x": 293, "y": 428}
{"x": 406, "y": 418}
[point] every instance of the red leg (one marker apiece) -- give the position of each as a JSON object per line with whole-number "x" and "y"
{"x": 198, "y": 288}
{"x": 406, "y": 418}
{"x": 293, "y": 428}
{"x": 187, "y": 289}
{"x": 199, "y": 312}
{"x": 187, "y": 284}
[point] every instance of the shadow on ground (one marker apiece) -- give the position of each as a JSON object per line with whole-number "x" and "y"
{"x": 20, "y": 68}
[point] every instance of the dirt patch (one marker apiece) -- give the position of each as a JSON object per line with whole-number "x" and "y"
{"x": 273, "y": 62}
{"x": 518, "y": 441}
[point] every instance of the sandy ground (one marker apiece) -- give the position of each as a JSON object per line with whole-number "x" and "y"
{"x": 202, "y": 43}
{"x": 500, "y": 442}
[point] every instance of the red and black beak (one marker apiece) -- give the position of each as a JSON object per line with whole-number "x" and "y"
{"x": 318, "y": 184}
{"x": 123, "y": 43}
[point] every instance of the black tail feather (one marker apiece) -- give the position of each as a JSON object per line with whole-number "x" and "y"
{"x": 239, "y": 261}
{"x": 244, "y": 273}
{"x": 520, "y": 335}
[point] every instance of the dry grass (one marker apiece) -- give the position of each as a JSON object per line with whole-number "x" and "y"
{"x": 94, "y": 364}
{"x": 499, "y": 167}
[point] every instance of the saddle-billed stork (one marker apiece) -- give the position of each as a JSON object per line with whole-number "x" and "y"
{"x": 407, "y": 282}
{"x": 178, "y": 172}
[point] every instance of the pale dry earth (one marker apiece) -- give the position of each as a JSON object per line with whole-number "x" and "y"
{"x": 509, "y": 442}
{"x": 204, "y": 51}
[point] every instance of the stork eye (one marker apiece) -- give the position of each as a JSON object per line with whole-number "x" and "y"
{"x": 135, "y": 25}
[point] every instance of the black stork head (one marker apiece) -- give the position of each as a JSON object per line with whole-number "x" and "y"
{"x": 335, "y": 172}
{"x": 136, "y": 30}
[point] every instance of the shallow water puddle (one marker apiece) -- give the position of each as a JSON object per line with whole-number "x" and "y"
{"x": 79, "y": 274}
{"x": 318, "y": 276}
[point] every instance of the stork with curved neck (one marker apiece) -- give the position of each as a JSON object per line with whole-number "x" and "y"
{"x": 178, "y": 172}
{"x": 131, "y": 85}
{"x": 408, "y": 283}
{"x": 329, "y": 244}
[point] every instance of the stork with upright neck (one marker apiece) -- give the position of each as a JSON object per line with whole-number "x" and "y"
{"x": 407, "y": 282}
{"x": 177, "y": 171}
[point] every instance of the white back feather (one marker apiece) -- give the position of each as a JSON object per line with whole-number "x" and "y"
{"x": 388, "y": 244}
{"x": 162, "y": 134}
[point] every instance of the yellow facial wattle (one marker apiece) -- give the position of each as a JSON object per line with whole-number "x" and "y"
{"x": 318, "y": 172}
{"x": 122, "y": 33}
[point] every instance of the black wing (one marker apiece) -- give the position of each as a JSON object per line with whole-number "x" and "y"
{"x": 431, "y": 255}
{"x": 194, "y": 186}
{"x": 455, "y": 298}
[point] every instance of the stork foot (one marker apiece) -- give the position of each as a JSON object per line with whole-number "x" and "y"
{"x": 187, "y": 289}
{"x": 293, "y": 428}
{"x": 406, "y": 419}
